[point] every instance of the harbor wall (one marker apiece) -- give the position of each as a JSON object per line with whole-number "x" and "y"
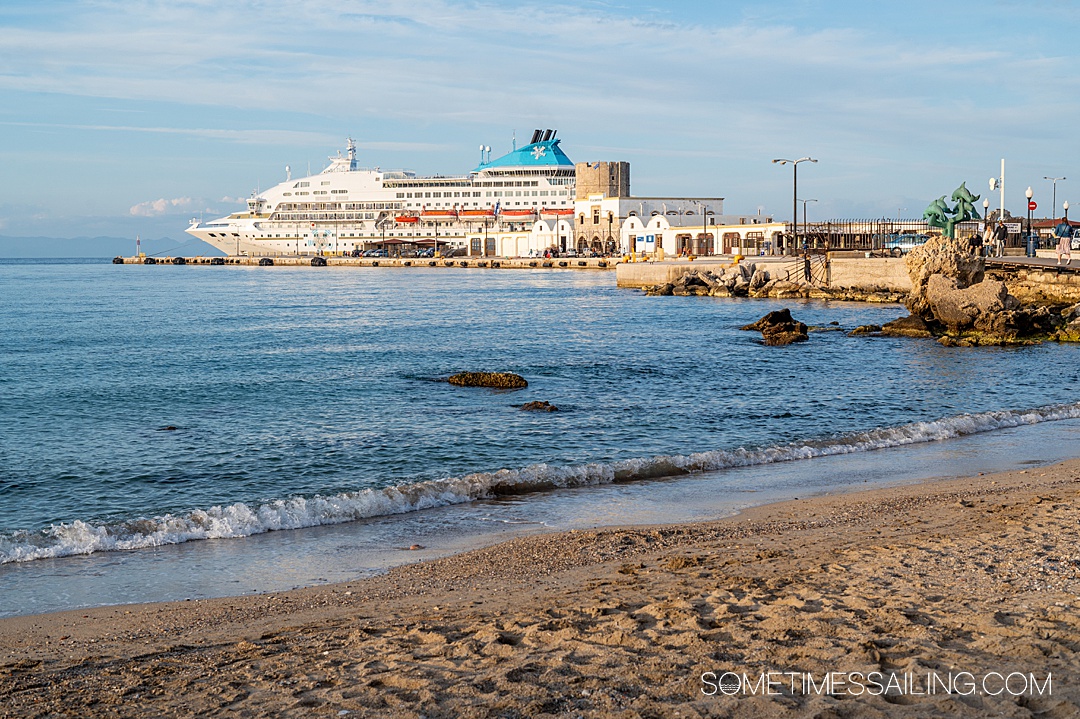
{"x": 869, "y": 273}
{"x": 855, "y": 273}
{"x": 525, "y": 263}
{"x": 1045, "y": 285}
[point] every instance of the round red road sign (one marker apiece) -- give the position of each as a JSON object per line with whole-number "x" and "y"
{"x": 1032, "y": 205}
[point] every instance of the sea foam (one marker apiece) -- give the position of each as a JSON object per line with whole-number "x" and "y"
{"x": 241, "y": 520}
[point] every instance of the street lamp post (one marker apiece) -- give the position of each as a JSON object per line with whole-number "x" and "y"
{"x": 804, "y": 214}
{"x": 1028, "y": 193}
{"x": 1053, "y": 205}
{"x": 609, "y": 241}
{"x": 986, "y": 212}
{"x": 1065, "y": 205}
{"x": 794, "y": 191}
{"x": 999, "y": 183}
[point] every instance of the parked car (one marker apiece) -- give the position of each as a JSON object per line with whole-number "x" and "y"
{"x": 901, "y": 244}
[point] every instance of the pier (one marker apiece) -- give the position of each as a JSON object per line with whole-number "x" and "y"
{"x": 496, "y": 263}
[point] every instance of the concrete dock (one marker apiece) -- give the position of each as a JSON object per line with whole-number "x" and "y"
{"x": 519, "y": 263}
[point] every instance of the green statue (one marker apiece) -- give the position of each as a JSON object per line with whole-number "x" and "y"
{"x": 938, "y": 213}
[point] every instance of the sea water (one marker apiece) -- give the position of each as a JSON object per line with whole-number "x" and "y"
{"x": 158, "y": 424}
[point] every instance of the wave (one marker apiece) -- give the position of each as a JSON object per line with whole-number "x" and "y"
{"x": 242, "y": 520}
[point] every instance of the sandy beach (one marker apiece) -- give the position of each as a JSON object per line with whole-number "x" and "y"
{"x": 890, "y": 594}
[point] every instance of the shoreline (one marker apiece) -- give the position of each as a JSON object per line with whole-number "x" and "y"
{"x": 596, "y": 622}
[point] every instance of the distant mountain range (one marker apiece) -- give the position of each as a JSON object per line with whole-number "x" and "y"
{"x": 100, "y": 247}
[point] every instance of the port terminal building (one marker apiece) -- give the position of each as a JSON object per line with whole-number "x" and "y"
{"x": 608, "y": 219}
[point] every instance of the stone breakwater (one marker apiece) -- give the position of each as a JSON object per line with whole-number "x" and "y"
{"x": 491, "y": 263}
{"x": 765, "y": 280}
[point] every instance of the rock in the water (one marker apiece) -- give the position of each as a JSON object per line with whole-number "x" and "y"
{"x": 498, "y": 380}
{"x": 778, "y": 328}
{"x": 773, "y": 318}
{"x": 541, "y": 406}
{"x": 958, "y": 308}
{"x": 940, "y": 255}
{"x": 664, "y": 290}
{"x": 864, "y": 330}
{"x": 911, "y": 326}
{"x": 784, "y": 334}
{"x": 1068, "y": 333}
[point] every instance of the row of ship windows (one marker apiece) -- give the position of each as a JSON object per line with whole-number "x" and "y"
{"x": 295, "y": 216}
{"x": 510, "y": 228}
{"x": 340, "y": 216}
{"x": 475, "y": 204}
{"x": 318, "y": 192}
{"x": 294, "y": 206}
{"x": 438, "y": 194}
{"x": 490, "y": 193}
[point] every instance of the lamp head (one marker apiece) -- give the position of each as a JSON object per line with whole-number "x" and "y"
{"x": 1028, "y": 193}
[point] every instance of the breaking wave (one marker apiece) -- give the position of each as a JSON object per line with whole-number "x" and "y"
{"x": 241, "y": 520}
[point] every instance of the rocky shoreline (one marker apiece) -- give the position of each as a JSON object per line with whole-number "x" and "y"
{"x": 751, "y": 280}
{"x": 952, "y": 300}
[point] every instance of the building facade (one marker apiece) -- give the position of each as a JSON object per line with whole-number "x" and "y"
{"x": 608, "y": 218}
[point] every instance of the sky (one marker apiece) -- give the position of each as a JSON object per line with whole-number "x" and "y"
{"x": 131, "y": 117}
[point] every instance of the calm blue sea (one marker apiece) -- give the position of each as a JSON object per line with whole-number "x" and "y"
{"x": 198, "y": 408}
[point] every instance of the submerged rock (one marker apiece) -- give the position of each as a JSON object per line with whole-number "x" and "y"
{"x": 865, "y": 330}
{"x": 911, "y": 326}
{"x": 541, "y": 406}
{"x": 498, "y": 380}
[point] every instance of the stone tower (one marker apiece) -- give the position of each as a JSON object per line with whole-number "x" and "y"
{"x": 610, "y": 179}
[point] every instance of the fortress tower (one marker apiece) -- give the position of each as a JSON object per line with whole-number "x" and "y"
{"x": 610, "y": 179}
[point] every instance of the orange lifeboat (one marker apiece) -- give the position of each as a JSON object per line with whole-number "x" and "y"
{"x": 561, "y": 211}
{"x": 406, "y": 219}
{"x": 477, "y": 213}
{"x": 439, "y": 213}
{"x": 518, "y": 213}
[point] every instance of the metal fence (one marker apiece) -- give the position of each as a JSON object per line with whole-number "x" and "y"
{"x": 869, "y": 235}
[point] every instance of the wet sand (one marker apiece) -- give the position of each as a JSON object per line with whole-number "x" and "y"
{"x": 977, "y": 577}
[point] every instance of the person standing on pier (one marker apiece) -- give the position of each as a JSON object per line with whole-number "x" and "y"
{"x": 1000, "y": 235}
{"x": 1064, "y": 234}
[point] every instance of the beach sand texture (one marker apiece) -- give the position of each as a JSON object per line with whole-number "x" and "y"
{"x": 978, "y": 575}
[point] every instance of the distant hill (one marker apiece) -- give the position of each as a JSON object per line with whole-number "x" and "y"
{"x": 100, "y": 247}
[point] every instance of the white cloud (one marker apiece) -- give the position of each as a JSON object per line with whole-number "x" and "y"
{"x": 153, "y": 208}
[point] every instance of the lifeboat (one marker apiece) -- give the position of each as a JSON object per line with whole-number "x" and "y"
{"x": 518, "y": 213}
{"x": 439, "y": 213}
{"x": 406, "y": 218}
{"x": 561, "y": 211}
{"x": 477, "y": 213}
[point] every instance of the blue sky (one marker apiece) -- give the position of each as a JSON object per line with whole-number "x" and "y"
{"x": 119, "y": 118}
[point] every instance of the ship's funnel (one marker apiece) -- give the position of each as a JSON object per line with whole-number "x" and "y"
{"x": 547, "y": 135}
{"x": 535, "y": 136}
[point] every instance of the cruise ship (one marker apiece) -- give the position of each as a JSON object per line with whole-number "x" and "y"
{"x": 346, "y": 207}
